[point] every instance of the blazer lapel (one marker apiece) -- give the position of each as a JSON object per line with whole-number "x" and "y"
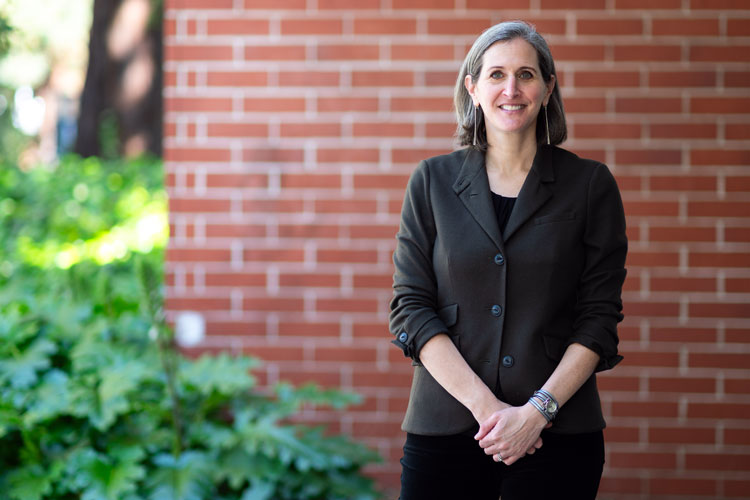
{"x": 473, "y": 188}
{"x": 534, "y": 192}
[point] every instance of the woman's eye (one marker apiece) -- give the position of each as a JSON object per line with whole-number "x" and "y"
{"x": 496, "y": 75}
{"x": 525, "y": 75}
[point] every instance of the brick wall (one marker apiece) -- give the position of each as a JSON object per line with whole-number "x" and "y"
{"x": 292, "y": 126}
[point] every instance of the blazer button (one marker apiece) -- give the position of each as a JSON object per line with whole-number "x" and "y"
{"x": 497, "y": 310}
{"x": 499, "y": 259}
{"x": 508, "y": 361}
{"x": 403, "y": 337}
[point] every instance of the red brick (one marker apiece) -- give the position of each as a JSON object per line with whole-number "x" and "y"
{"x": 717, "y": 360}
{"x": 197, "y": 155}
{"x": 681, "y": 79}
{"x": 737, "y": 79}
{"x": 737, "y": 386}
{"x": 383, "y": 129}
{"x": 658, "y": 284}
{"x": 607, "y": 79}
{"x": 348, "y": 155}
{"x": 198, "y": 53}
{"x": 607, "y": 130}
{"x": 347, "y": 305}
{"x": 650, "y": 309}
{"x": 642, "y": 460}
{"x": 196, "y": 304}
{"x": 296, "y": 181}
{"x": 720, "y": 105}
{"x": 683, "y": 131}
{"x": 736, "y": 488}
{"x": 648, "y": 4}
{"x": 683, "y": 183}
{"x": 585, "y": 105}
{"x": 644, "y": 409}
{"x": 236, "y": 129}
{"x": 737, "y": 285}
{"x": 737, "y": 131}
{"x": 346, "y": 206}
{"x": 272, "y": 155}
{"x": 659, "y": 53}
{"x": 237, "y": 27}
{"x": 235, "y": 279}
{"x": 342, "y": 104}
{"x": 346, "y": 354}
{"x": 402, "y": 52}
{"x": 682, "y": 234}
{"x": 274, "y": 104}
{"x": 236, "y": 78}
{"x": 273, "y": 304}
{"x": 305, "y": 329}
{"x": 199, "y": 4}
{"x": 682, "y": 385}
{"x": 310, "y": 280}
{"x": 573, "y": 4}
{"x": 382, "y": 78}
{"x": 682, "y": 486}
{"x": 269, "y": 206}
{"x": 197, "y": 104}
{"x": 348, "y": 4}
{"x": 309, "y": 78}
{"x": 457, "y": 26}
{"x": 648, "y": 157}
{"x": 274, "y": 255}
{"x": 663, "y": 259}
{"x": 311, "y": 26}
{"x": 384, "y": 26}
{"x": 720, "y": 53}
{"x": 621, "y": 434}
{"x": 492, "y": 4}
{"x": 308, "y": 231}
{"x": 648, "y": 105}
{"x": 243, "y": 230}
{"x": 738, "y": 27}
{"x": 651, "y": 208}
{"x": 380, "y": 181}
{"x": 348, "y": 52}
{"x": 377, "y": 281}
{"x": 275, "y": 53}
{"x": 685, "y": 27}
{"x": 578, "y": 52}
{"x": 651, "y": 359}
{"x": 737, "y": 234}
{"x": 341, "y": 256}
{"x": 413, "y": 156}
{"x": 275, "y": 4}
{"x": 718, "y": 410}
{"x": 718, "y": 209}
{"x": 711, "y": 259}
{"x": 610, "y": 27}
{"x": 719, "y": 462}
{"x": 706, "y": 335}
{"x": 718, "y": 4}
{"x": 401, "y": 104}
{"x": 310, "y": 129}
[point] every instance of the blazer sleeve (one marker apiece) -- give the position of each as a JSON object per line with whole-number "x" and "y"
{"x": 599, "y": 303}
{"x": 413, "y": 318}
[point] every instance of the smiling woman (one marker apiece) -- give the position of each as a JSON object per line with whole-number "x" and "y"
{"x": 524, "y": 244}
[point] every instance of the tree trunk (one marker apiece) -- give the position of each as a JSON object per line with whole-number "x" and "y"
{"x": 121, "y": 103}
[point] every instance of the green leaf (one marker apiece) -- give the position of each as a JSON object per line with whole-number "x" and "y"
{"x": 259, "y": 491}
{"x": 22, "y": 371}
{"x": 28, "y": 483}
{"x": 184, "y": 478}
{"x": 51, "y": 399}
{"x": 222, "y": 373}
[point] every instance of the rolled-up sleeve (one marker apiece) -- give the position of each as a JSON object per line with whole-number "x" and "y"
{"x": 413, "y": 318}
{"x": 599, "y": 304}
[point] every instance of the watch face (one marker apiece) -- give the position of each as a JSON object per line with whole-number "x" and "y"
{"x": 551, "y": 406}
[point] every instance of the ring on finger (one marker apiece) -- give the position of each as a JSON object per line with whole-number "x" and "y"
{"x": 499, "y": 457}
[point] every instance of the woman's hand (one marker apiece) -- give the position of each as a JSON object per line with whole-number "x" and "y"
{"x": 512, "y": 432}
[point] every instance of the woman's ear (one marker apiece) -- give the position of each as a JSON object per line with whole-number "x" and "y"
{"x": 471, "y": 88}
{"x": 550, "y": 87}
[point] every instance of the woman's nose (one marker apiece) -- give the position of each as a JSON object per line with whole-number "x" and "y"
{"x": 511, "y": 87}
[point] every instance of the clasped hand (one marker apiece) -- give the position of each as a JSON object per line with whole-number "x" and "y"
{"x": 512, "y": 432}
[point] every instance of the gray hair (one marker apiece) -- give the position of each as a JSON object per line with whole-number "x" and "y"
{"x": 472, "y": 65}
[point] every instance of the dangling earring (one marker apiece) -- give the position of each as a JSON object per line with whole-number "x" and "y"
{"x": 476, "y": 112}
{"x": 546, "y": 122}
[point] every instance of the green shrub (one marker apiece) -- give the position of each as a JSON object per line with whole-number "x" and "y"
{"x": 96, "y": 403}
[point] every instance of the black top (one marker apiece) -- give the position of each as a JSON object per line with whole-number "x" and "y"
{"x": 503, "y": 208}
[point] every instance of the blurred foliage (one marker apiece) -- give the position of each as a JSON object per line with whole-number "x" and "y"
{"x": 96, "y": 402}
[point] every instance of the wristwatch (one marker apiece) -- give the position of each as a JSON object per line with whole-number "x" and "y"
{"x": 545, "y": 403}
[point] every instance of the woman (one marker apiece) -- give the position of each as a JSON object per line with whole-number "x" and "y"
{"x": 508, "y": 273}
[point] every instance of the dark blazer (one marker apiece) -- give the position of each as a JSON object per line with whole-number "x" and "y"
{"x": 511, "y": 303}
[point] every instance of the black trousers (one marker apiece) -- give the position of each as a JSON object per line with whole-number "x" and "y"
{"x": 456, "y": 468}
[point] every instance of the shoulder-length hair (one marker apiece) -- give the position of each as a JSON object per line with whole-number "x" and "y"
{"x": 472, "y": 65}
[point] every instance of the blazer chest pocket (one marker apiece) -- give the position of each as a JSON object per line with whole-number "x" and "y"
{"x": 557, "y": 217}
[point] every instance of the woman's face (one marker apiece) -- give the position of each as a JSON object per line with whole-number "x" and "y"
{"x": 510, "y": 88}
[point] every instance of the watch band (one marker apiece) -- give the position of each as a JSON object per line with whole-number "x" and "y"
{"x": 545, "y": 403}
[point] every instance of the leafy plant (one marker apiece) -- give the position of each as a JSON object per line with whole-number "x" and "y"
{"x": 96, "y": 403}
